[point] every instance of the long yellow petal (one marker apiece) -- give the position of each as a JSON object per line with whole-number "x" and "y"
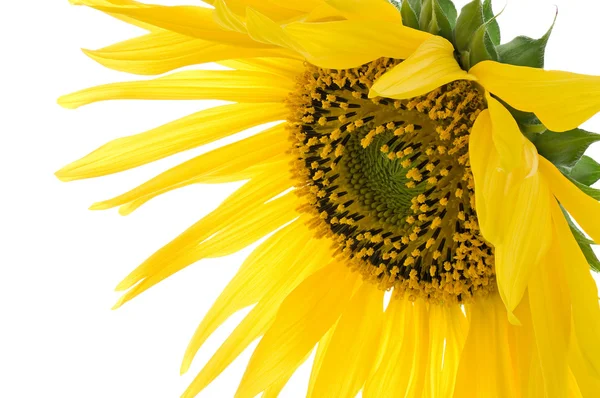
{"x": 551, "y": 316}
{"x": 312, "y": 257}
{"x": 264, "y": 30}
{"x": 303, "y": 318}
{"x": 584, "y": 208}
{"x": 163, "y": 51}
{"x": 379, "y": 10}
{"x": 588, "y": 383}
{"x": 259, "y": 273}
{"x": 353, "y": 346}
{"x": 229, "y": 85}
{"x": 561, "y": 100}
{"x": 186, "y": 133}
{"x": 431, "y": 65}
{"x": 418, "y": 368}
{"x": 290, "y": 68}
{"x": 111, "y": 3}
{"x": 486, "y": 367}
{"x": 190, "y": 21}
{"x": 348, "y": 44}
{"x": 388, "y": 372}
{"x": 448, "y": 330}
{"x": 584, "y": 293}
{"x": 515, "y": 207}
{"x": 248, "y": 228}
{"x": 318, "y": 361}
{"x": 229, "y": 159}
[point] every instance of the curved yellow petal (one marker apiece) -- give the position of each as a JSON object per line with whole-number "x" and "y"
{"x": 551, "y": 318}
{"x": 486, "y": 368}
{"x": 264, "y": 30}
{"x": 388, "y": 374}
{"x": 228, "y": 159}
{"x": 561, "y": 100}
{"x": 513, "y": 206}
{"x": 309, "y": 259}
{"x": 227, "y": 85}
{"x": 352, "y": 349}
{"x": 430, "y": 66}
{"x": 183, "y": 134}
{"x": 348, "y": 44}
{"x": 379, "y": 10}
{"x": 588, "y": 383}
{"x": 508, "y": 139}
{"x": 263, "y": 270}
{"x": 163, "y": 51}
{"x": 227, "y": 18}
{"x": 290, "y": 68}
{"x": 303, "y": 318}
{"x": 584, "y": 208}
{"x": 318, "y": 361}
{"x": 584, "y": 293}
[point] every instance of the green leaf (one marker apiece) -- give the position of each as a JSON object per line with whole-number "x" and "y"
{"x": 584, "y": 243}
{"x": 586, "y": 171}
{"x": 438, "y": 17}
{"x": 449, "y": 11}
{"x": 481, "y": 47}
{"x": 470, "y": 18}
{"x": 409, "y": 15}
{"x": 565, "y": 149}
{"x": 493, "y": 27}
{"x": 525, "y": 51}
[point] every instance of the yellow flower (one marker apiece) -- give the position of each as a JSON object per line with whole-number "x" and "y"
{"x": 397, "y": 164}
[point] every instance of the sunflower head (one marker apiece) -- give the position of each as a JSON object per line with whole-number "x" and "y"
{"x": 411, "y": 151}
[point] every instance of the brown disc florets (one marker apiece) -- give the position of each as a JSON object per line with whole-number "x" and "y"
{"x": 389, "y": 182}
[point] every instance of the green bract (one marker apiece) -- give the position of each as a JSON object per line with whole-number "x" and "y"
{"x": 475, "y": 34}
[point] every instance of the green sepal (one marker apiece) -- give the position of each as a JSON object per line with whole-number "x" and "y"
{"x": 481, "y": 47}
{"x": 409, "y": 13}
{"x": 584, "y": 243}
{"x": 586, "y": 171}
{"x": 469, "y": 20}
{"x": 525, "y": 51}
{"x": 493, "y": 27}
{"x": 564, "y": 150}
{"x": 438, "y": 17}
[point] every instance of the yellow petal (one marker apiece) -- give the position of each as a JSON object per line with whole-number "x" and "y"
{"x": 448, "y": 330}
{"x": 584, "y": 208}
{"x": 264, "y": 30}
{"x": 309, "y": 259}
{"x": 234, "y": 85}
{"x": 486, "y": 368}
{"x": 303, "y": 318}
{"x": 551, "y": 319}
{"x": 588, "y": 383}
{"x": 190, "y": 21}
{"x": 228, "y": 159}
{"x": 163, "y": 51}
{"x": 186, "y": 133}
{"x": 285, "y": 67}
{"x": 508, "y": 139}
{"x": 233, "y": 227}
{"x": 584, "y": 293}
{"x": 353, "y": 346}
{"x": 431, "y": 65}
{"x": 348, "y": 44}
{"x": 389, "y": 374}
{"x": 379, "y": 10}
{"x": 418, "y": 366}
{"x": 318, "y": 361}
{"x": 229, "y": 20}
{"x": 112, "y": 3}
{"x": 561, "y": 100}
{"x": 513, "y": 207}
{"x": 261, "y": 271}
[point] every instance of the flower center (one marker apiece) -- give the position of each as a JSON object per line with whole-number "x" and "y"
{"x": 390, "y": 183}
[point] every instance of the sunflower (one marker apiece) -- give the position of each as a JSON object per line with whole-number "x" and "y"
{"x": 413, "y": 153}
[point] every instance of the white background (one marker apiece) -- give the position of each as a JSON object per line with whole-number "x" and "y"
{"x": 59, "y": 262}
